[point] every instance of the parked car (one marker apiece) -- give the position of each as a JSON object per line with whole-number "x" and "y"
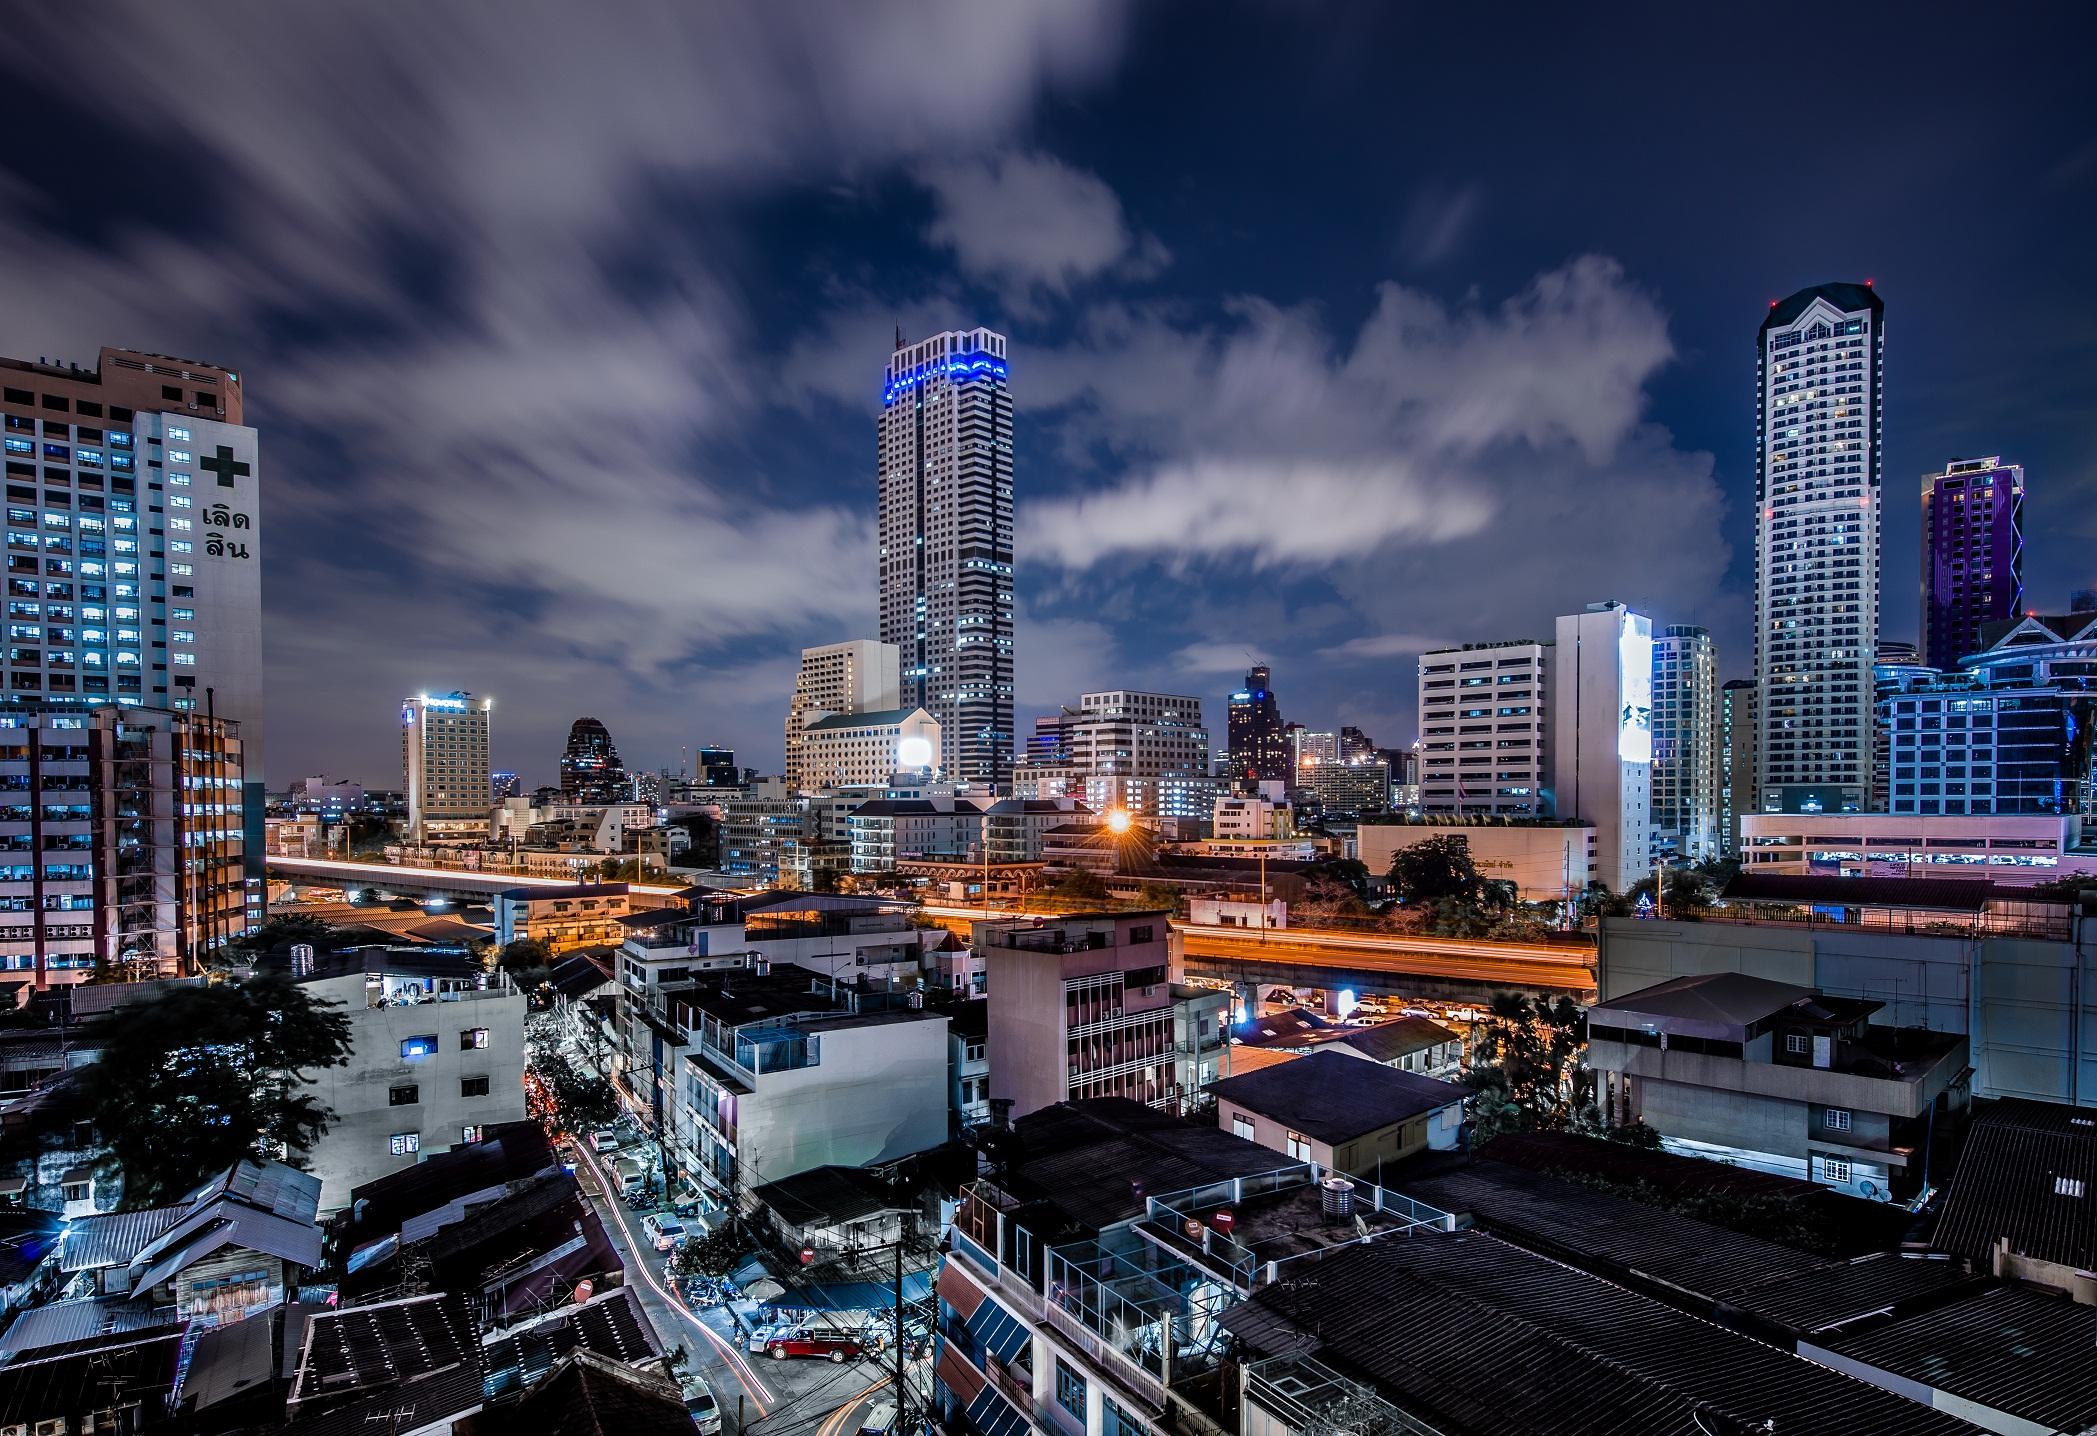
{"x": 699, "y": 1400}
{"x": 665, "y": 1231}
{"x": 832, "y": 1344}
{"x": 604, "y": 1139}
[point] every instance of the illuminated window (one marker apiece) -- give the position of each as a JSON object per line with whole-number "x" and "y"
{"x": 412, "y": 1048}
{"x": 473, "y": 1037}
{"x": 404, "y": 1144}
{"x": 177, "y": 433}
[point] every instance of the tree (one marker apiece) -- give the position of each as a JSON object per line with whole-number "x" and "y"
{"x": 716, "y": 1254}
{"x": 704, "y": 850}
{"x": 1524, "y": 1074}
{"x": 1688, "y": 893}
{"x": 563, "y": 1095}
{"x": 1345, "y": 874}
{"x": 1437, "y": 869}
{"x": 1162, "y": 895}
{"x": 2068, "y": 889}
{"x": 1080, "y": 885}
{"x": 522, "y": 954}
{"x": 287, "y": 929}
{"x": 191, "y": 1083}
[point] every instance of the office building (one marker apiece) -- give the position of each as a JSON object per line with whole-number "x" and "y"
{"x": 444, "y": 755}
{"x": 1251, "y": 819}
{"x": 1485, "y": 736}
{"x": 1091, "y": 1005}
{"x": 1739, "y": 790}
{"x": 859, "y": 676}
{"x": 1307, "y": 747}
{"x": 590, "y": 769}
{"x": 1602, "y": 735}
{"x": 2001, "y": 849}
{"x": 1358, "y": 787}
{"x": 102, "y": 607}
{"x": 868, "y": 749}
{"x": 2011, "y": 733}
{"x": 1355, "y": 745}
{"x": 1896, "y": 667}
{"x": 887, "y": 831}
{"x": 1819, "y": 360}
{"x": 1779, "y": 1078}
{"x": 126, "y": 850}
{"x": 1258, "y": 747}
{"x": 1147, "y": 753}
{"x": 946, "y": 542}
{"x": 1972, "y": 555}
{"x": 1687, "y": 764}
{"x": 757, "y": 822}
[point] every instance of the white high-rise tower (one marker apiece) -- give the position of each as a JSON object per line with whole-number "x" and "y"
{"x": 946, "y": 542}
{"x": 1819, "y": 364}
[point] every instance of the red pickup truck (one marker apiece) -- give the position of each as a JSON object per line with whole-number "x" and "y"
{"x": 835, "y": 1345}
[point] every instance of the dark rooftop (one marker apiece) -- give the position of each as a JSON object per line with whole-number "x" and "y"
{"x": 2021, "y": 1351}
{"x": 1616, "y": 1237}
{"x": 507, "y": 1152}
{"x": 611, "y": 1324}
{"x": 2028, "y": 1175}
{"x": 590, "y": 1395}
{"x": 412, "y": 1362}
{"x": 1825, "y": 1298}
{"x": 1336, "y": 1098}
{"x": 577, "y": 974}
{"x": 1937, "y": 894}
{"x": 1396, "y": 1038}
{"x": 1471, "y": 1334}
{"x": 1296, "y": 1027}
{"x": 832, "y": 1194}
{"x": 76, "y": 1381}
{"x": 1083, "y": 1158}
{"x": 970, "y": 1019}
{"x": 1847, "y": 297}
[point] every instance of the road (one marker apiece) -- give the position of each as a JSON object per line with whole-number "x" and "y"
{"x": 711, "y": 1353}
{"x": 1519, "y": 965}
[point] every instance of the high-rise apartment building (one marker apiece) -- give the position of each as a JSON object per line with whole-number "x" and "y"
{"x": 1485, "y": 734}
{"x": 590, "y": 769}
{"x": 1739, "y": 793}
{"x": 859, "y": 676}
{"x": 1145, "y": 752}
{"x": 946, "y": 542}
{"x": 1307, "y": 747}
{"x": 1687, "y": 803}
{"x": 444, "y": 756}
{"x": 1602, "y": 734}
{"x": 134, "y": 548}
{"x": 1972, "y": 555}
{"x": 124, "y": 839}
{"x": 1819, "y": 361}
{"x": 1355, "y": 745}
{"x": 1259, "y": 750}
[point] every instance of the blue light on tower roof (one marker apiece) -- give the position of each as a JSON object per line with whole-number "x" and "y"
{"x": 966, "y": 366}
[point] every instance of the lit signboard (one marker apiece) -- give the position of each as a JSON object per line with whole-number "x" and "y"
{"x": 1634, "y": 651}
{"x": 913, "y": 753}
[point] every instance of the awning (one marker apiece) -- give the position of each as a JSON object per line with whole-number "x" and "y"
{"x": 992, "y": 1415}
{"x": 764, "y": 1289}
{"x": 997, "y": 1331}
{"x": 858, "y": 1295}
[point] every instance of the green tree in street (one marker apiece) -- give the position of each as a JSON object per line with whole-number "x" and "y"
{"x": 1079, "y": 885}
{"x": 189, "y": 1084}
{"x": 1524, "y": 1071}
{"x": 562, "y": 1093}
{"x": 716, "y": 1254}
{"x": 1437, "y": 869}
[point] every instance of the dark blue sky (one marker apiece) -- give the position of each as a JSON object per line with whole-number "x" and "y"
{"x": 1338, "y": 330}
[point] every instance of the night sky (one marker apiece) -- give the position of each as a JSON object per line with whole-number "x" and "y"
{"x": 1337, "y": 331}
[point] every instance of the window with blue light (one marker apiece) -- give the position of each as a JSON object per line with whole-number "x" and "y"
{"x": 412, "y": 1048}
{"x": 1070, "y": 1389}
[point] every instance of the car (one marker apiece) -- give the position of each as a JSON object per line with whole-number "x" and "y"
{"x": 665, "y": 1231}
{"x": 834, "y": 1345}
{"x": 699, "y": 1400}
{"x": 604, "y": 1139}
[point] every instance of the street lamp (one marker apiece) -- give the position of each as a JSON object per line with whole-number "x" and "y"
{"x": 1118, "y": 821}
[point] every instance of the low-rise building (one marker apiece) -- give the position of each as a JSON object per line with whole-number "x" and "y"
{"x": 1546, "y": 859}
{"x": 2000, "y": 847}
{"x": 1247, "y": 817}
{"x": 579, "y": 915}
{"x": 2024, "y": 1201}
{"x": 865, "y": 750}
{"x": 887, "y": 831}
{"x": 1092, "y": 1005}
{"x": 1780, "y": 1078}
{"x": 436, "y": 1057}
{"x": 1342, "y": 1114}
{"x": 968, "y": 1059}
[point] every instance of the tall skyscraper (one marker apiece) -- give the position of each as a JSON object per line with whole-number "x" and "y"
{"x": 1819, "y": 362}
{"x": 444, "y": 762}
{"x": 102, "y": 606}
{"x": 590, "y": 768}
{"x": 1686, "y": 762}
{"x": 946, "y": 542}
{"x": 859, "y": 676}
{"x": 1602, "y": 734}
{"x": 1972, "y": 555}
{"x": 1259, "y": 749}
{"x": 1485, "y": 732}
{"x": 1741, "y": 793}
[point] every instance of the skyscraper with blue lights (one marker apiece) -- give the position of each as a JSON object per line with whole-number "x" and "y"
{"x": 946, "y": 542}
{"x": 1972, "y": 555}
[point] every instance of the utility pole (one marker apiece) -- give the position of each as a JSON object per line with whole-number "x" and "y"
{"x": 901, "y": 1423}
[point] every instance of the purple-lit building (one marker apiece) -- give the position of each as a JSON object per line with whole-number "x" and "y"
{"x": 1972, "y": 555}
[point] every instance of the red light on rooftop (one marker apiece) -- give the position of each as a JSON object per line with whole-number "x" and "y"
{"x": 1774, "y": 302}
{"x": 1867, "y": 284}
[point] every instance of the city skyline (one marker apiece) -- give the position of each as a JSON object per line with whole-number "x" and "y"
{"x": 1246, "y": 430}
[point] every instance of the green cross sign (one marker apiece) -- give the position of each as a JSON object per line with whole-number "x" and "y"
{"x": 225, "y": 466}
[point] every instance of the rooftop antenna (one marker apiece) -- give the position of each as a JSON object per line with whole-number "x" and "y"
{"x": 899, "y": 337}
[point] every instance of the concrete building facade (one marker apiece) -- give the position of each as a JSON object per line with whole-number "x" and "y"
{"x": 1819, "y": 369}
{"x": 1602, "y": 735}
{"x": 1485, "y": 729}
{"x": 1688, "y": 807}
{"x": 945, "y": 470}
{"x": 444, "y": 759}
{"x": 860, "y": 675}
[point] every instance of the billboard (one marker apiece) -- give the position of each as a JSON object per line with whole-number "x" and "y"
{"x": 1634, "y": 656}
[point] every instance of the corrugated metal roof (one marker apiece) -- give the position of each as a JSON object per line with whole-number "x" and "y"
{"x": 112, "y": 1238}
{"x": 1841, "y": 1292}
{"x": 2028, "y": 1174}
{"x": 59, "y": 1322}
